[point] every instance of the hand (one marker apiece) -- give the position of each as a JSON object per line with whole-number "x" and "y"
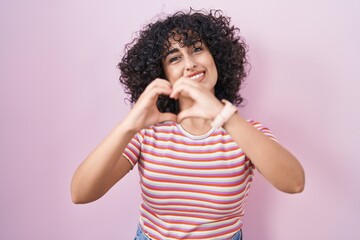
{"x": 145, "y": 111}
{"x": 204, "y": 103}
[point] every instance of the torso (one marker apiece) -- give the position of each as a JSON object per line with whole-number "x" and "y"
{"x": 193, "y": 186}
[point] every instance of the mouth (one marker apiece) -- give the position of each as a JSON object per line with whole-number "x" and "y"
{"x": 197, "y": 76}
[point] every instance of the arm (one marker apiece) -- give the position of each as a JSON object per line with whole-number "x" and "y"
{"x": 105, "y": 165}
{"x": 272, "y": 160}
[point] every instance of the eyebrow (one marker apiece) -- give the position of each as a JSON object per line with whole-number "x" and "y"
{"x": 171, "y": 51}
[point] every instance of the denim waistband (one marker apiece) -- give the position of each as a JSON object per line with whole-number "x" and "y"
{"x": 140, "y": 235}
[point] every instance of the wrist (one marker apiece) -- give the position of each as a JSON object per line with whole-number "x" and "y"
{"x": 224, "y": 115}
{"x": 127, "y": 126}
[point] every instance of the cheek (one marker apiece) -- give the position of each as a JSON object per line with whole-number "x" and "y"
{"x": 213, "y": 68}
{"x": 172, "y": 74}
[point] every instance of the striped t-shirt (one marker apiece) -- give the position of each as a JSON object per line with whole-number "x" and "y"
{"x": 193, "y": 187}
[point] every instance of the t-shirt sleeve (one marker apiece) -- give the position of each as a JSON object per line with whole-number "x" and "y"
{"x": 262, "y": 129}
{"x": 133, "y": 149}
{"x": 266, "y": 131}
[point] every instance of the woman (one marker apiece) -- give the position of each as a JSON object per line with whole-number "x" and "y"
{"x": 196, "y": 155}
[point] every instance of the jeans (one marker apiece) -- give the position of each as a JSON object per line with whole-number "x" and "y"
{"x": 140, "y": 235}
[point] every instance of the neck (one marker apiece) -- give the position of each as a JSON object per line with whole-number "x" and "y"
{"x": 193, "y": 125}
{"x": 196, "y": 126}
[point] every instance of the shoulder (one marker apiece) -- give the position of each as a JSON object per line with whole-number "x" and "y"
{"x": 159, "y": 128}
{"x": 259, "y": 126}
{"x": 256, "y": 124}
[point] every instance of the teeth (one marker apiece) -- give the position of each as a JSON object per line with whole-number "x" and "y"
{"x": 197, "y": 76}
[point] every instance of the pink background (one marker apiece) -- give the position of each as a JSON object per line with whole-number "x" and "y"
{"x": 60, "y": 96}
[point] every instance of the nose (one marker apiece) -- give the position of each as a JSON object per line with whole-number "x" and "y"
{"x": 190, "y": 63}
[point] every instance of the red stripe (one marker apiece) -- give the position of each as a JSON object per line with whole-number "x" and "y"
{"x": 156, "y": 227}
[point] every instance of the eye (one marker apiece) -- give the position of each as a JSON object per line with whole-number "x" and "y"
{"x": 197, "y": 49}
{"x": 174, "y": 59}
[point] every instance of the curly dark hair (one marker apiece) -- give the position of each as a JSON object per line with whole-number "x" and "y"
{"x": 141, "y": 63}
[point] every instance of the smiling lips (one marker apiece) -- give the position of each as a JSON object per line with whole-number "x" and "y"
{"x": 197, "y": 76}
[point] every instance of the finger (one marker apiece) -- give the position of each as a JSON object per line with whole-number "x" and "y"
{"x": 159, "y": 83}
{"x": 183, "y": 88}
{"x": 157, "y": 88}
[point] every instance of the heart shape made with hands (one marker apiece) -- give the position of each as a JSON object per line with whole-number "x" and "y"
{"x": 165, "y": 103}
{"x": 170, "y": 107}
{"x": 205, "y": 104}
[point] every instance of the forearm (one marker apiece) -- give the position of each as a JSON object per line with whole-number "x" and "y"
{"x": 105, "y": 165}
{"x": 272, "y": 160}
{"x": 91, "y": 179}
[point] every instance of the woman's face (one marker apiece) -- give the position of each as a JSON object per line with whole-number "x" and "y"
{"x": 195, "y": 62}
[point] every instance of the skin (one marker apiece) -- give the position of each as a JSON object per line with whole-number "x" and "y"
{"x": 180, "y": 66}
{"x": 198, "y": 107}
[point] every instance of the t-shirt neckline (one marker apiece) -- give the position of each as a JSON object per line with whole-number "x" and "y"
{"x": 192, "y": 136}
